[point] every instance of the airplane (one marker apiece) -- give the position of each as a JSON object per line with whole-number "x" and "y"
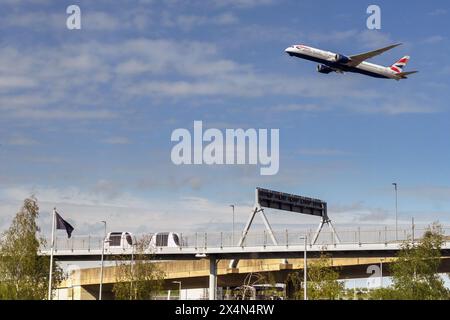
{"x": 336, "y": 62}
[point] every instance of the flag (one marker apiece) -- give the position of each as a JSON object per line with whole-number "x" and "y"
{"x": 63, "y": 224}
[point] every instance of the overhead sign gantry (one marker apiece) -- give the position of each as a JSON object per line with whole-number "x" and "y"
{"x": 265, "y": 198}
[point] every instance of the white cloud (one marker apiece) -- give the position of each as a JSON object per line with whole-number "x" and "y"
{"x": 63, "y": 114}
{"x": 188, "y": 22}
{"x": 433, "y": 193}
{"x": 375, "y": 39}
{"x": 64, "y": 82}
{"x": 21, "y": 141}
{"x": 359, "y": 212}
{"x": 19, "y": 2}
{"x": 400, "y": 106}
{"x": 243, "y": 3}
{"x": 18, "y": 82}
{"x": 101, "y": 21}
{"x": 297, "y": 107}
{"x": 116, "y": 140}
{"x": 323, "y": 152}
{"x": 438, "y": 12}
{"x": 333, "y": 36}
{"x": 370, "y": 39}
{"x": 91, "y": 20}
{"x": 433, "y": 39}
{"x": 36, "y": 20}
{"x": 123, "y": 211}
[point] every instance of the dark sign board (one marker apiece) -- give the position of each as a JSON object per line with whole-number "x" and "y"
{"x": 290, "y": 202}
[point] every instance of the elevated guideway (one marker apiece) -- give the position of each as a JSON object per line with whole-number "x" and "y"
{"x": 202, "y": 257}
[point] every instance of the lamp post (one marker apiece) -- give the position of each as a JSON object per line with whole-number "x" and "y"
{"x": 396, "y": 211}
{"x": 133, "y": 244}
{"x": 179, "y": 287}
{"x": 305, "y": 268}
{"x": 101, "y": 269}
{"x": 232, "y": 206}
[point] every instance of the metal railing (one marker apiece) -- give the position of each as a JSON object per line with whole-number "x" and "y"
{"x": 286, "y": 237}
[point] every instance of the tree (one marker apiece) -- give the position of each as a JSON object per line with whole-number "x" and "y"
{"x": 23, "y": 272}
{"x": 415, "y": 272}
{"x": 139, "y": 280}
{"x": 322, "y": 280}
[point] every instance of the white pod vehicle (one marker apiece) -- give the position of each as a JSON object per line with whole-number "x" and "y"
{"x": 119, "y": 240}
{"x": 165, "y": 239}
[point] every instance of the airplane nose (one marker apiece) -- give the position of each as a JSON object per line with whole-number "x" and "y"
{"x": 289, "y": 51}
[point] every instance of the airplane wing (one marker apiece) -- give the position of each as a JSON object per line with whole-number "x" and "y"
{"x": 357, "y": 59}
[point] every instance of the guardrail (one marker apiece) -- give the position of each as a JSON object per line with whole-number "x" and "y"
{"x": 286, "y": 237}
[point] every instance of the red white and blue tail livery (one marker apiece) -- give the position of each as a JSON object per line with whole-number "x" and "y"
{"x": 336, "y": 62}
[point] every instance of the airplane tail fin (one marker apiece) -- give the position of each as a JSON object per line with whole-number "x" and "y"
{"x": 400, "y": 64}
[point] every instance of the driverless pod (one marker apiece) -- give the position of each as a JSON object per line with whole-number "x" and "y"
{"x": 119, "y": 240}
{"x": 165, "y": 239}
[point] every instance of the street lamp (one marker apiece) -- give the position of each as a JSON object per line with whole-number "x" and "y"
{"x": 179, "y": 287}
{"x": 396, "y": 211}
{"x": 305, "y": 268}
{"x": 381, "y": 272}
{"x": 101, "y": 269}
{"x": 133, "y": 244}
{"x": 232, "y": 206}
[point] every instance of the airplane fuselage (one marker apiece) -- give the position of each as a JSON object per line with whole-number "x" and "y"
{"x": 329, "y": 60}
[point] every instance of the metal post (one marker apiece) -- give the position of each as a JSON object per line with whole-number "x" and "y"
{"x": 381, "y": 272}
{"x": 196, "y": 240}
{"x": 305, "y": 270}
{"x": 287, "y": 238}
{"x": 268, "y": 227}
{"x": 51, "y": 255}
{"x": 234, "y": 262}
{"x": 359, "y": 235}
{"x": 396, "y": 211}
{"x": 232, "y": 235}
{"x": 212, "y": 278}
{"x": 264, "y": 238}
{"x": 132, "y": 269}
{"x": 101, "y": 269}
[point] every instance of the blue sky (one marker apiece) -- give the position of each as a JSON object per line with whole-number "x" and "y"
{"x": 86, "y": 115}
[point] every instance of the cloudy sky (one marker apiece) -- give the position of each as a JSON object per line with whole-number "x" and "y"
{"x": 86, "y": 115}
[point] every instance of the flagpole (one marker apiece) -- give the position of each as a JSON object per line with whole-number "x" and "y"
{"x": 51, "y": 256}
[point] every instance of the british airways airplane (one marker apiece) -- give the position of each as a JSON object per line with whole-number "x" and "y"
{"x": 336, "y": 62}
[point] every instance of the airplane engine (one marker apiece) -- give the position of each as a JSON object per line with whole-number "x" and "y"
{"x": 340, "y": 58}
{"x": 323, "y": 69}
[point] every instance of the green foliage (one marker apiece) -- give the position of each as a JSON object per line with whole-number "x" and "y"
{"x": 322, "y": 281}
{"x": 139, "y": 280}
{"x": 383, "y": 294}
{"x": 415, "y": 272}
{"x": 23, "y": 273}
{"x": 294, "y": 286}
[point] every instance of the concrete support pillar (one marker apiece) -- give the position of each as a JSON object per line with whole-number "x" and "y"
{"x": 212, "y": 278}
